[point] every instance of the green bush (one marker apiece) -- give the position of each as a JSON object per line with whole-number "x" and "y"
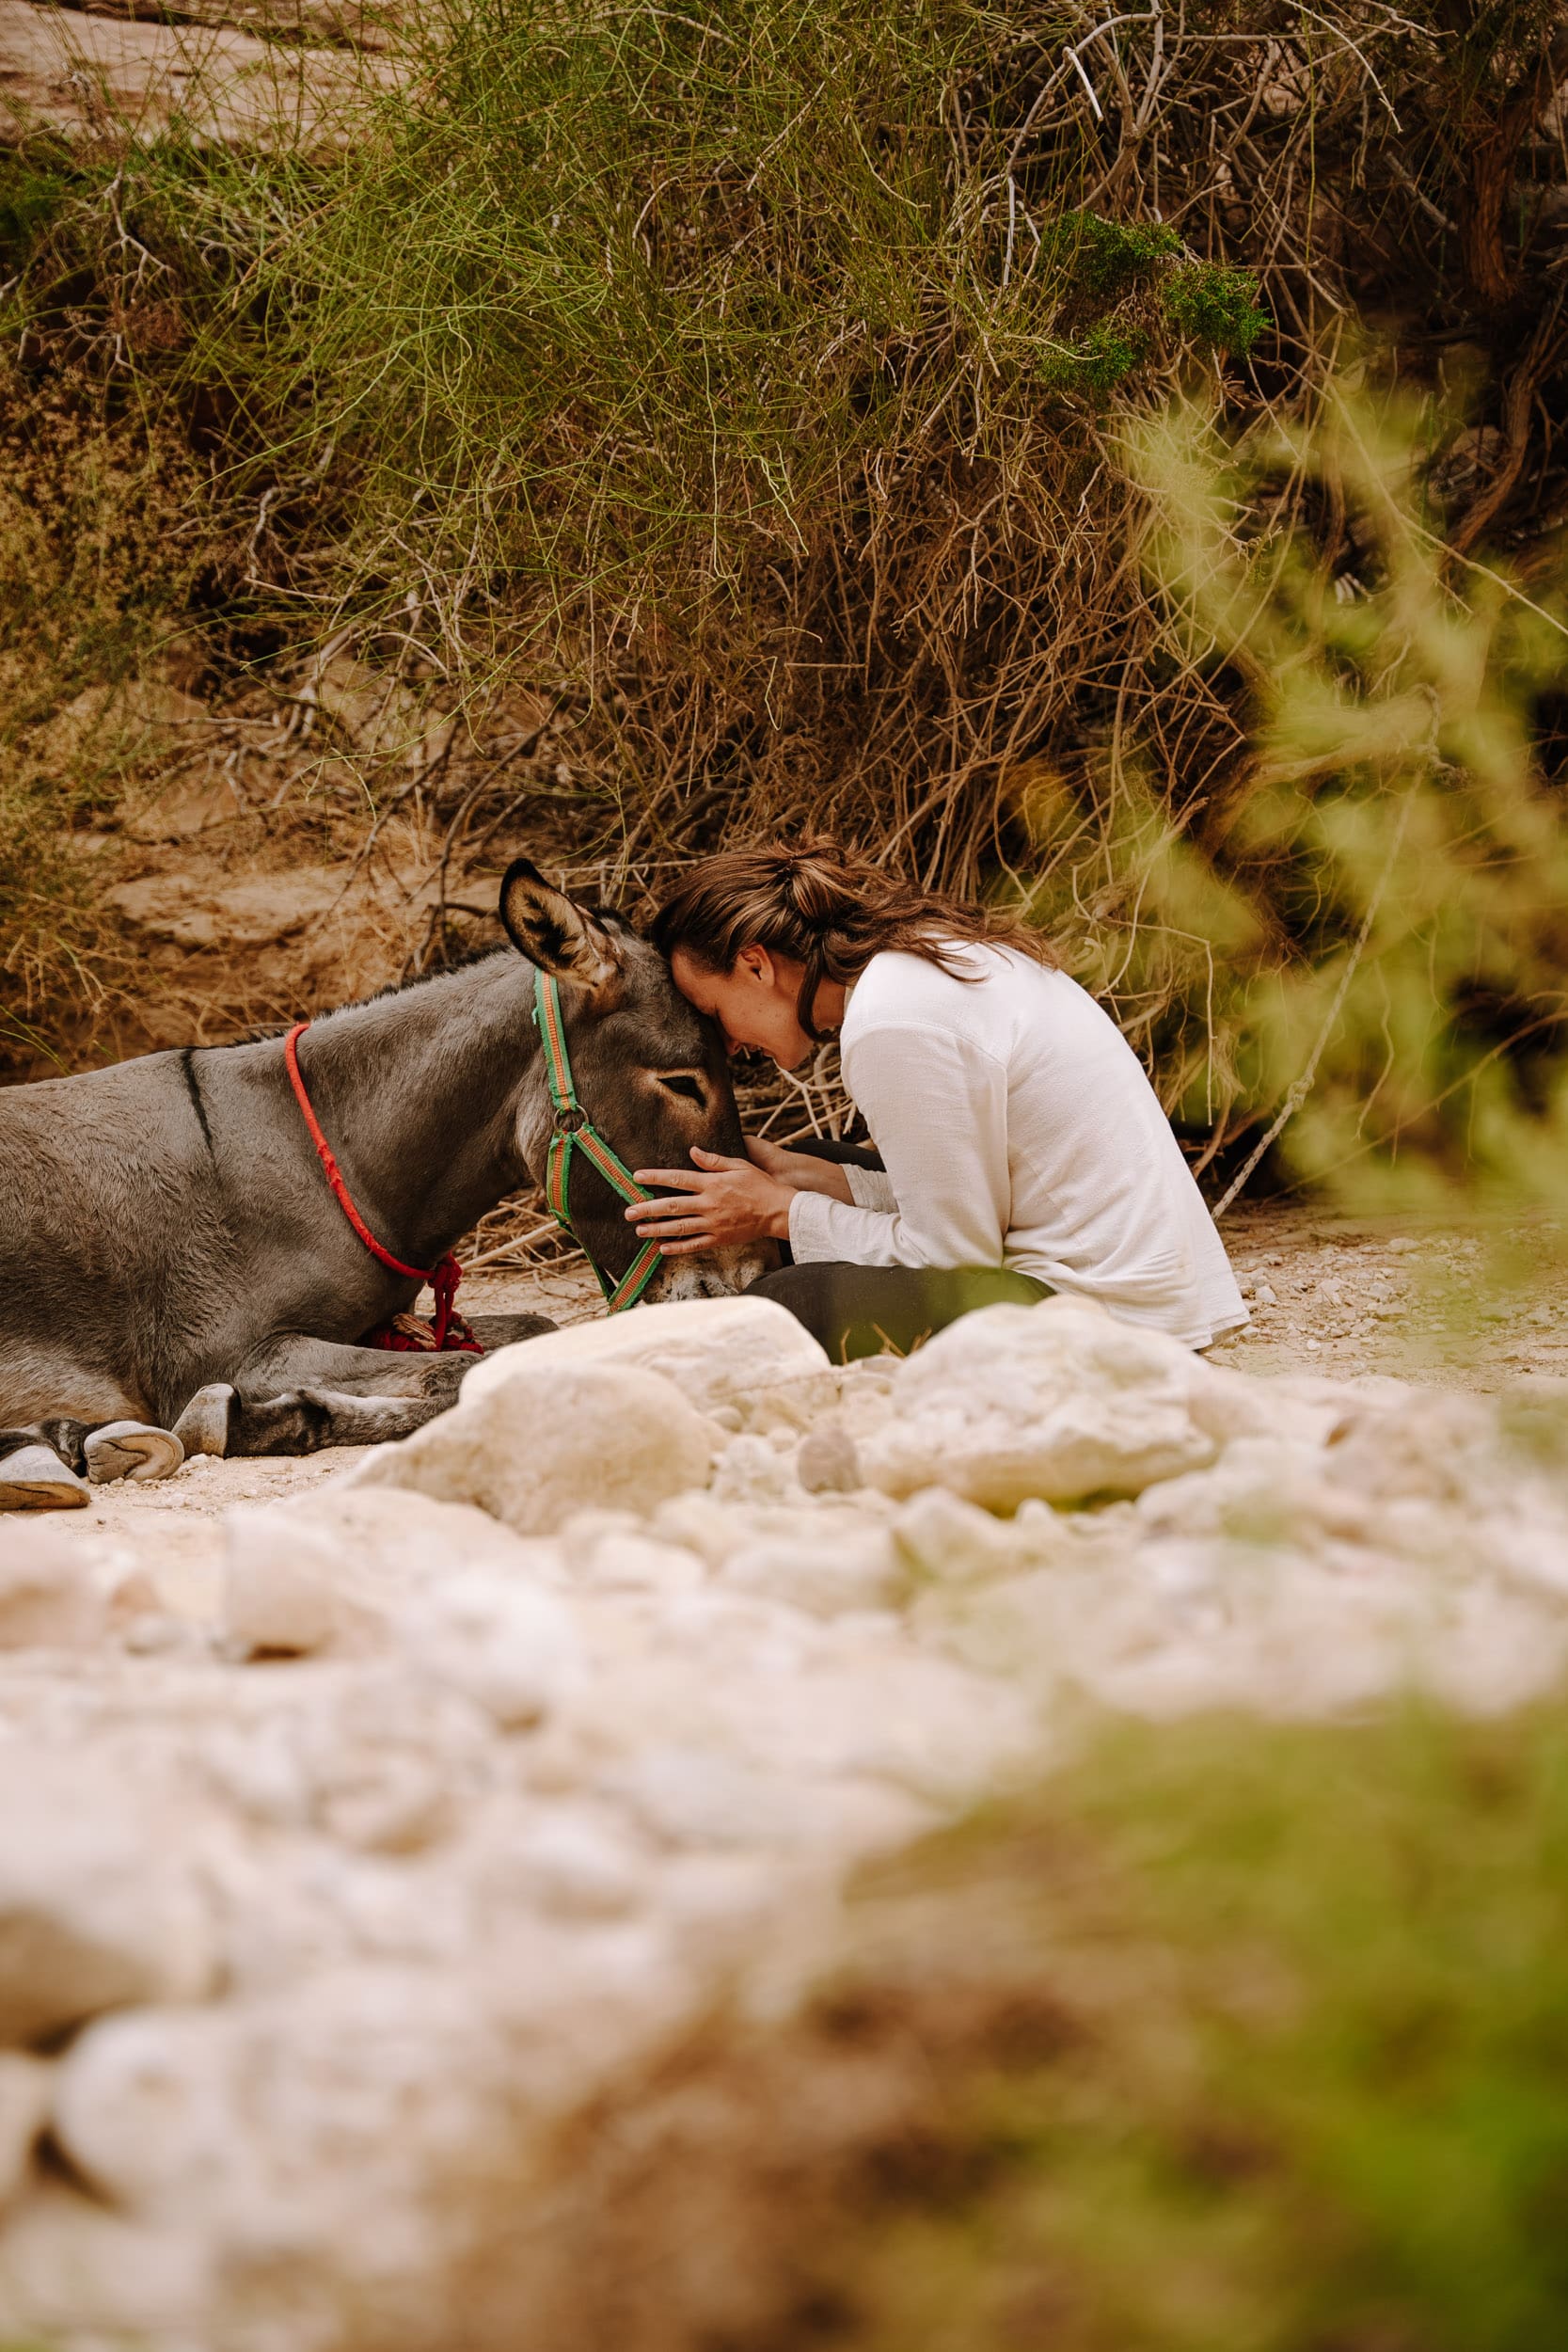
{"x": 1236, "y": 2038}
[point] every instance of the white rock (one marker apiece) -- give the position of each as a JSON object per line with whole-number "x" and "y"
{"x": 952, "y": 1542}
{"x": 719, "y": 1352}
{"x": 511, "y": 1648}
{"x": 824, "y": 1572}
{"x": 566, "y": 1861}
{"x": 280, "y": 1586}
{"x": 318, "y": 2127}
{"x": 99, "y": 1906}
{"x": 49, "y": 1598}
{"x": 826, "y": 1461}
{"x": 1266, "y": 1492}
{"x": 750, "y": 1470}
{"x": 616, "y": 1561}
{"x": 71, "y": 2273}
{"x": 389, "y": 1544}
{"x": 1439, "y": 1446}
{"x": 1059, "y": 1401}
{"x": 548, "y": 1441}
{"x": 702, "y": 1797}
{"x": 388, "y": 1754}
{"x": 26, "y": 2084}
{"x": 332, "y": 1570}
{"x": 698, "y": 1522}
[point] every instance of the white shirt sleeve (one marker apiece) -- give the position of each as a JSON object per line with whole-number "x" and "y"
{"x": 937, "y": 1105}
{"x": 869, "y": 1188}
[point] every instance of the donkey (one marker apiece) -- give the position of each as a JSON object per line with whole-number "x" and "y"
{"x": 172, "y": 1255}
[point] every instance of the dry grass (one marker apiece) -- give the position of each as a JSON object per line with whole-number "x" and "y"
{"x": 684, "y": 423}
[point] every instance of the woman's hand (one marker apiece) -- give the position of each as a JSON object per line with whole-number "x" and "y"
{"x": 801, "y": 1170}
{"x": 772, "y": 1157}
{"x": 718, "y": 1204}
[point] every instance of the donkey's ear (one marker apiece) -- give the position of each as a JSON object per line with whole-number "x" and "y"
{"x": 553, "y": 931}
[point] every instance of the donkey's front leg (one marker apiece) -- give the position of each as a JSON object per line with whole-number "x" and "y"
{"x": 298, "y": 1395}
{"x": 219, "y": 1420}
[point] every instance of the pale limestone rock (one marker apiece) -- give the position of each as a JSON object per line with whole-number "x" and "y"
{"x": 25, "y": 2086}
{"x": 616, "y": 1560}
{"x": 702, "y": 1797}
{"x": 388, "y": 1754}
{"x": 49, "y": 1597}
{"x": 298, "y": 1582}
{"x": 99, "y": 1906}
{"x": 314, "y": 2127}
{"x": 510, "y": 1647}
{"x": 753, "y": 1470}
{"x": 74, "y": 2274}
{"x": 1440, "y": 1447}
{"x": 700, "y": 1523}
{"x": 1059, "y": 1401}
{"x": 569, "y": 1860}
{"x": 279, "y": 1586}
{"x": 949, "y": 1541}
{"x": 720, "y": 1353}
{"x": 822, "y": 1571}
{"x": 545, "y": 1443}
{"x": 1265, "y": 1491}
{"x": 388, "y": 1544}
{"x": 826, "y": 1461}
{"x": 87, "y": 76}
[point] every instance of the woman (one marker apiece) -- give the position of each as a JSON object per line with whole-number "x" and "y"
{"x": 1019, "y": 1149}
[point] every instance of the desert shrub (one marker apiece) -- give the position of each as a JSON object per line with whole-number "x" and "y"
{"x": 754, "y": 382}
{"x": 1375, "y": 907}
{"x": 770, "y": 374}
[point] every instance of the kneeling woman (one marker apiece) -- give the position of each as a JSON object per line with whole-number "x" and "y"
{"x": 1018, "y": 1147}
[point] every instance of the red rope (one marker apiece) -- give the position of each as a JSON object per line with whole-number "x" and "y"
{"x": 449, "y": 1331}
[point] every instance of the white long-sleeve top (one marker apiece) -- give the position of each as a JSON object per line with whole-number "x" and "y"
{"x": 1017, "y": 1128}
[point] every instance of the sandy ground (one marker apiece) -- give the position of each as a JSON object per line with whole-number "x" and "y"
{"x": 1458, "y": 1309}
{"x": 1416, "y": 1303}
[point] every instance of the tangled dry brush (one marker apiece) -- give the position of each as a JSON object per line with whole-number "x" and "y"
{"x": 730, "y": 417}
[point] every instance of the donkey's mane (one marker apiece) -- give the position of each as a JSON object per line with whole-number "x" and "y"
{"x": 375, "y": 996}
{"x": 611, "y": 917}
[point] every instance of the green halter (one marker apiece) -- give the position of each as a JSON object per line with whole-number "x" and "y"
{"x": 576, "y": 1131}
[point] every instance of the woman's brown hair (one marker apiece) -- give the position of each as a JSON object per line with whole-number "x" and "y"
{"x": 828, "y": 909}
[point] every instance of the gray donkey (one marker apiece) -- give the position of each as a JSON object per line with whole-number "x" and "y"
{"x": 173, "y": 1257}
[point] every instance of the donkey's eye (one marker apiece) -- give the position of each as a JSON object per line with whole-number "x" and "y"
{"x": 690, "y": 1089}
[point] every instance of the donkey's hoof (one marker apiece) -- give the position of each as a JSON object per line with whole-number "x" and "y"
{"x": 204, "y": 1425}
{"x": 131, "y": 1449}
{"x": 33, "y": 1478}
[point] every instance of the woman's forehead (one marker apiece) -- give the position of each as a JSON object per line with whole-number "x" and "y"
{"x": 701, "y": 988}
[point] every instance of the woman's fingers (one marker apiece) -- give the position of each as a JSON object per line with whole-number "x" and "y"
{"x": 724, "y": 1203}
{"x": 682, "y": 1205}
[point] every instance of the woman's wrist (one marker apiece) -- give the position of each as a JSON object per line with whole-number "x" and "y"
{"x": 802, "y": 1171}
{"x": 778, "y": 1223}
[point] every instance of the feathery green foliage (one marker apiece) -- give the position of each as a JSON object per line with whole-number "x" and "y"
{"x": 1234, "y": 2037}
{"x": 663, "y": 284}
{"x": 1315, "y": 2097}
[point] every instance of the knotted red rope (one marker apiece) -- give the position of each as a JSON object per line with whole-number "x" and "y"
{"x": 404, "y": 1334}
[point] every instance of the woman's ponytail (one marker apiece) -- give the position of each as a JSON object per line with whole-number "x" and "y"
{"x": 826, "y": 908}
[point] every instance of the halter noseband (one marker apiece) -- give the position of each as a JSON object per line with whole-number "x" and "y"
{"x": 574, "y": 1131}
